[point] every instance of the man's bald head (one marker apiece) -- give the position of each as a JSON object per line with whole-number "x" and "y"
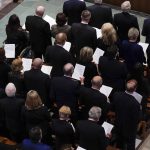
{"x": 60, "y": 38}
{"x": 10, "y": 90}
{"x": 40, "y": 11}
{"x": 37, "y": 63}
{"x": 97, "y": 82}
{"x": 125, "y": 6}
{"x": 68, "y": 69}
{"x": 131, "y": 86}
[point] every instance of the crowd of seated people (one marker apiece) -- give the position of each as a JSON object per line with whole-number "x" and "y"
{"x": 56, "y": 111}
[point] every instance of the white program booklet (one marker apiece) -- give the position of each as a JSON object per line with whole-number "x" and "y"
{"x": 26, "y": 64}
{"x": 9, "y": 50}
{"x": 50, "y": 20}
{"x": 98, "y": 32}
{"x": 78, "y": 71}
{"x": 137, "y": 142}
{"x": 80, "y": 148}
{"x": 98, "y": 52}
{"x": 107, "y": 127}
{"x": 144, "y": 46}
{"x": 106, "y": 90}
{"x": 46, "y": 69}
{"x": 24, "y": 27}
{"x": 67, "y": 46}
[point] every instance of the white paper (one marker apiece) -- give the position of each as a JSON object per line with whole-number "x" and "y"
{"x": 80, "y": 148}
{"x": 50, "y": 20}
{"x": 98, "y": 52}
{"x": 26, "y": 64}
{"x": 107, "y": 127}
{"x": 9, "y": 50}
{"x": 106, "y": 90}
{"x": 67, "y": 46}
{"x": 24, "y": 27}
{"x": 137, "y": 96}
{"x": 46, "y": 69}
{"x": 98, "y": 32}
{"x": 144, "y": 46}
{"x": 78, "y": 71}
{"x": 137, "y": 142}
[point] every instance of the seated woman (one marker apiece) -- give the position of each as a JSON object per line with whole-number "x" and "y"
{"x": 16, "y": 77}
{"x": 63, "y": 129}
{"x": 15, "y": 34}
{"x": 85, "y": 59}
{"x": 34, "y": 113}
{"x": 61, "y": 26}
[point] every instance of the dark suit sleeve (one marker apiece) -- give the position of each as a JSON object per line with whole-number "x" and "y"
{"x": 103, "y": 140}
{"x": 27, "y": 24}
{"x": 144, "y": 30}
{"x": 48, "y": 33}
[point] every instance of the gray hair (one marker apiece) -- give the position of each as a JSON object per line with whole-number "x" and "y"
{"x": 10, "y": 90}
{"x": 68, "y": 69}
{"x": 126, "y": 6}
{"x": 95, "y": 113}
{"x": 40, "y": 11}
{"x": 133, "y": 33}
{"x": 98, "y": 1}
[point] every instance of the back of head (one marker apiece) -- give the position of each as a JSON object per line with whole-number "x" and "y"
{"x": 131, "y": 86}
{"x": 86, "y": 16}
{"x": 10, "y": 90}
{"x": 16, "y": 65}
{"x": 2, "y": 54}
{"x": 112, "y": 51}
{"x": 40, "y": 11}
{"x": 95, "y": 113}
{"x": 98, "y": 1}
{"x": 68, "y": 69}
{"x": 35, "y": 135}
{"x": 37, "y": 63}
{"x": 64, "y": 112}
{"x": 60, "y": 38}
{"x": 126, "y": 5}
{"x": 133, "y": 34}
{"x": 61, "y": 19}
{"x": 14, "y": 22}
{"x": 97, "y": 82}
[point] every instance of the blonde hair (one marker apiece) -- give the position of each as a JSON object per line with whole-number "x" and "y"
{"x": 33, "y": 100}
{"x": 16, "y": 65}
{"x": 109, "y": 35}
{"x": 133, "y": 33}
{"x": 65, "y": 110}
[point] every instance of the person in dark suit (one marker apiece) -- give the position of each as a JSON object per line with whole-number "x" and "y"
{"x": 100, "y": 14}
{"x": 90, "y": 97}
{"x": 73, "y": 9}
{"x": 10, "y": 107}
{"x": 57, "y": 56}
{"x": 34, "y": 141}
{"x": 130, "y": 51}
{"x": 82, "y": 34}
{"x": 113, "y": 72}
{"x": 63, "y": 129}
{"x": 39, "y": 32}
{"x": 127, "y": 110}
{"x": 90, "y": 135}
{"x": 124, "y": 21}
{"x": 64, "y": 90}
{"x": 35, "y": 79}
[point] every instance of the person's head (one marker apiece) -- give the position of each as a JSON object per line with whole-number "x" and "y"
{"x": 67, "y": 147}
{"x": 2, "y": 54}
{"x": 86, "y": 54}
{"x": 10, "y": 90}
{"x": 112, "y": 51}
{"x": 37, "y": 63}
{"x": 86, "y": 16}
{"x": 33, "y": 100}
{"x": 97, "y": 82}
{"x": 68, "y": 69}
{"x": 133, "y": 34}
{"x": 95, "y": 113}
{"x": 60, "y": 38}
{"x": 126, "y": 5}
{"x": 13, "y": 22}
{"x": 16, "y": 65}
{"x": 35, "y": 135}
{"x": 109, "y": 34}
{"x": 98, "y": 1}
{"x": 40, "y": 11}
{"x": 64, "y": 112}
{"x": 131, "y": 86}
{"x": 61, "y": 19}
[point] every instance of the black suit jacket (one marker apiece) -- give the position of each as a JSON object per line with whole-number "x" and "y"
{"x": 123, "y": 22}
{"x": 91, "y": 97}
{"x": 73, "y": 9}
{"x": 100, "y": 14}
{"x": 40, "y": 34}
{"x": 127, "y": 111}
{"x": 91, "y": 135}
{"x": 82, "y": 35}
{"x": 57, "y": 57}
{"x": 35, "y": 79}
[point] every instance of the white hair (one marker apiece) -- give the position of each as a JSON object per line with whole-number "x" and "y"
{"x": 98, "y": 1}
{"x": 126, "y": 6}
{"x": 95, "y": 113}
{"x": 40, "y": 11}
{"x": 10, "y": 90}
